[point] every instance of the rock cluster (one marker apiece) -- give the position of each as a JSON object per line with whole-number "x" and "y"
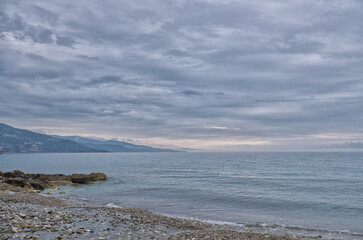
{"x": 39, "y": 182}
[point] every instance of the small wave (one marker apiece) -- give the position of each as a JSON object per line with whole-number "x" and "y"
{"x": 266, "y": 225}
{"x": 83, "y": 199}
{"x": 112, "y": 205}
{"x": 205, "y": 220}
{"x": 221, "y": 222}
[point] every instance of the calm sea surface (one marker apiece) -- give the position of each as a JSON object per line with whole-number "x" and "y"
{"x": 305, "y": 193}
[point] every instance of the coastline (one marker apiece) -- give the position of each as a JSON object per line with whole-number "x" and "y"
{"x": 34, "y": 216}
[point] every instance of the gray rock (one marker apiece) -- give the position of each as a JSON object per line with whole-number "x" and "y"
{"x": 18, "y": 174}
{"x": 38, "y": 182}
{"x": 8, "y": 175}
{"x": 88, "y": 178}
{"x": 17, "y": 182}
{"x": 37, "y": 186}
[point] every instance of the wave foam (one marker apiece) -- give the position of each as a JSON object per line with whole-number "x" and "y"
{"x": 112, "y": 205}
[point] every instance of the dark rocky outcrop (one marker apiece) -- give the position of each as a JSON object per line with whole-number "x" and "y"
{"x": 88, "y": 178}
{"x": 39, "y": 182}
{"x": 8, "y": 175}
{"x": 16, "y": 182}
{"x": 37, "y": 186}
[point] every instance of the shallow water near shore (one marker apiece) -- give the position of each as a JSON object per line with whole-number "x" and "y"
{"x": 308, "y": 193}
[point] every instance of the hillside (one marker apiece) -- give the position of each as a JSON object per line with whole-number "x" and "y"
{"x": 15, "y": 140}
{"x": 113, "y": 145}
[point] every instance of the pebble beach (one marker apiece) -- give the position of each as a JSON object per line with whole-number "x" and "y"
{"x": 25, "y": 215}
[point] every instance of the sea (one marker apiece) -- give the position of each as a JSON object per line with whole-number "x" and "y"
{"x": 302, "y": 193}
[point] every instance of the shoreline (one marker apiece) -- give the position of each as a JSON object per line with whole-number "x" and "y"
{"x": 23, "y": 192}
{"x": 27, "y": 215}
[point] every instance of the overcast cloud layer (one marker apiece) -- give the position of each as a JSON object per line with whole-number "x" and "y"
{"x": 207, "y": 74}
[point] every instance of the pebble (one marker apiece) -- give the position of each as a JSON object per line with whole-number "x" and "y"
{"x": 14, "y": 230}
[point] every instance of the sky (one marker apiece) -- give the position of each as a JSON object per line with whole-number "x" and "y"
{"x": 216, "y": 75}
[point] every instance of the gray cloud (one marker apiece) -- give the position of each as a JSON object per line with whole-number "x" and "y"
{"x": 111, "y": 79}
{"x": 192, "y": 93}
{"x": 65, "y": 41}
{"x": 236, "y": 70}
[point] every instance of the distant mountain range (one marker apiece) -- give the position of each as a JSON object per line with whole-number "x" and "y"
{"x": 15, "y": 140}
{"x": 344, "y": 145}
{"x": 112, "y": 145}
{"x": 20, "y": 140}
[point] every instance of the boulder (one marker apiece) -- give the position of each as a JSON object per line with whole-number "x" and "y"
{"x": 27, "y": 187}
{"x": 8, "y": 175}
{"x": 88, "y": 178}
{"x": 81, "y": 178}
{"x": 58, "y": 177}
{"x": 16, "y": 182}
{"x": 33, "y": 187}
{"x": 50, "y": 177}
{"x": 14, "y": 174}
{"x": 37, "y": 186}
{"x": 18, "y": 174}
{"x": 99, "y": 176}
